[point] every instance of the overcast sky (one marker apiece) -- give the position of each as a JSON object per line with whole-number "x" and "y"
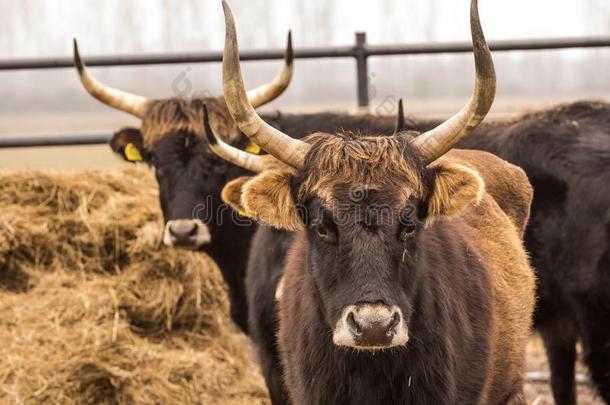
{"x": 36, "y": 28}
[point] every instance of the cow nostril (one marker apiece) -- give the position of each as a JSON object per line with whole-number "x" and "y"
{"x": 393, "y": 324}
{"x": 353, "y": 325}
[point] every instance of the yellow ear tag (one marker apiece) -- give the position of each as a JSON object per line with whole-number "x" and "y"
{"x": 244, "y": 214}
{"x": 132, "y": 153}
{"x": 253, "y": 148}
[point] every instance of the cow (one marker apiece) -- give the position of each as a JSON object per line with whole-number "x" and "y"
{"x": 269, "y": 246}
{"x": 405, "y": 282}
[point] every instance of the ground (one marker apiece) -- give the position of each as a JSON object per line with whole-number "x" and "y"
{"x": 540, "y": 393}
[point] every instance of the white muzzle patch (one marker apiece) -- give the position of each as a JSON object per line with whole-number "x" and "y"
{"x": 371, "y": 327}
{"x": 186, "y": 233}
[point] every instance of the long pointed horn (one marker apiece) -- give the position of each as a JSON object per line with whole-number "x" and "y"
{"x": 248, "y": 161}
{"x": 283, "y": 147}
{"x": 440, "y": 140}
{"x": 269, "y": 91}
{"x": 127, "y": 102}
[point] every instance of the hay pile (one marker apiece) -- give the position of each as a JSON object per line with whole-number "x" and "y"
{"x": 93, "y": 310}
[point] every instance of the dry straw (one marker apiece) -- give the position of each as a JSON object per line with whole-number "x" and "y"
{"x": 94, "y": 311}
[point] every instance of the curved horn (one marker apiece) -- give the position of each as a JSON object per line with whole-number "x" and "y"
{"x": 283, "y": 147}
{"x": 440, "y": 140}
{"x": 127, "y": 102}
{"x": 400, "y": 119}
{"x": 269, "y": 91}
{"x": 238, "y": 157}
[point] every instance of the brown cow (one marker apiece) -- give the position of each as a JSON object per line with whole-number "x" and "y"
{"x": 406, "y": 283}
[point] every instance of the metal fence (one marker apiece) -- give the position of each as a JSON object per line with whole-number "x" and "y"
{"x": 360, "y": 51}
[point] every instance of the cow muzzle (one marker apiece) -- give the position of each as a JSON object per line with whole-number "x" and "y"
{"x": 371, "y": 327}
{"x": 186, "y": 233}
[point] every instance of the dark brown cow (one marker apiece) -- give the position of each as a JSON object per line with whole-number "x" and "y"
{"x": 406, "y": 282}
{"x": 565, "y": 151}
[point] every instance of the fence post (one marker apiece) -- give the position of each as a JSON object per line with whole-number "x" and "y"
{"x": 362, "y": 69}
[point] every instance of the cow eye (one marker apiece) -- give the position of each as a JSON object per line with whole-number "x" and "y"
{"x": 322, "y": 231}
{"x": 326, "y": 229}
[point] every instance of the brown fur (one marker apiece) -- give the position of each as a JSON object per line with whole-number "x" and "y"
{"x": 455, "y": 187}
{"x": 357, "y": 159}
{"x": 505, "y": 182}
{"x": 268, "y": 198}
{"x": 181, "y": 114}
{"x": 513, "y": 294}
{"x": 232, "y": 191}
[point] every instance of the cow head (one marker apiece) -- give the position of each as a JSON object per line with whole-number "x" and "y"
{"x": 363, "y": 202}
{"x": 170, "y": 140}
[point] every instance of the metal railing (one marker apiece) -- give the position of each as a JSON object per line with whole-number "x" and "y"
{"x": 360, "y": 51}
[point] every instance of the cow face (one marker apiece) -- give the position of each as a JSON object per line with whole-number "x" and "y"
{"x": 188, "y": 173}
{"x": 170, "y": 139}
{"x": 364, "y": 204}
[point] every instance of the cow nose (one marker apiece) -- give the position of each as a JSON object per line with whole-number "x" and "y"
{"x": 183, "y": 230}
{"x": 373, "y": 325}
{"x": 186, "y": 233}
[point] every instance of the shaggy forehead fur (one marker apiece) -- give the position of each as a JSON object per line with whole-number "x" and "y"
{"x": 354, "y": 160}
{"x": 182, "y": 114}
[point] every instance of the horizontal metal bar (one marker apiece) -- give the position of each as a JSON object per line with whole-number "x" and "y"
{"x": 77, "y": 138}
{"x": 173, "y": 58}
{"x": 506, "y": 45}
{"x": 306, "y": 53}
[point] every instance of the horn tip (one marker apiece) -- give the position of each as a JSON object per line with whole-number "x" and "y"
{"x": 77, "y": 59}
{"x": 225, "y": 6}
{"x": 289, "y": 50}
{"x": 400, "y": 118}
{"x": 207, "y": 129}
{"x": 229, "y": 20}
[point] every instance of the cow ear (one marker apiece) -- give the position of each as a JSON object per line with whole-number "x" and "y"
{"x": 268, "y": 198}
{"x": 231, "y": 194}
{"x": 455, "y": 187}
{"x": 128, "y": 143}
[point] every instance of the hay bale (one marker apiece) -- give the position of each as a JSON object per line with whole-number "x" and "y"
{"x": 94, "y": 311}
{"x": 174, "y": 292}
{"x": 83, "y": 221}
